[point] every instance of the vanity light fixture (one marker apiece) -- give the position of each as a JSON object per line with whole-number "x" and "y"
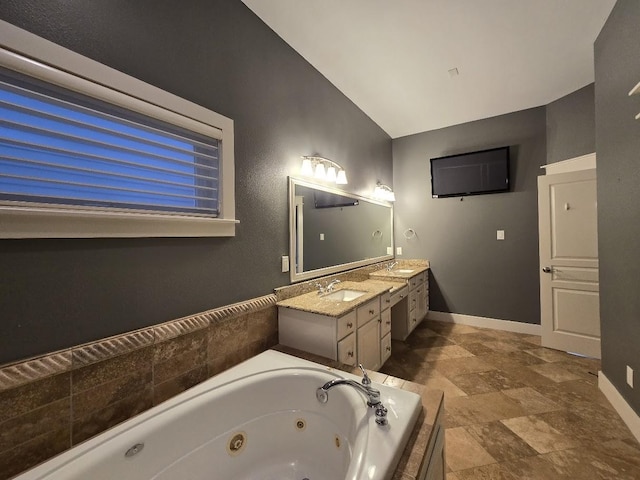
{"x": 384, "y": 192}
{"x": 323, "y": 169}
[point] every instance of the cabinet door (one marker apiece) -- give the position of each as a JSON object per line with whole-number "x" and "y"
{"x": 413, "y": 299}
{"x": 385, "y": 326}
{"x": 369, "y": 345}
{"x": 385, "y": 348}
{"x": 422, "y": 303}
{"x": 347, "y": 350}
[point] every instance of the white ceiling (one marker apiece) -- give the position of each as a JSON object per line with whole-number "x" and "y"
{"x": 392, "y": 58}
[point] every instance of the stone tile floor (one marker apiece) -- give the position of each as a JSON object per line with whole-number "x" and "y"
{"x": 516, "y": 410}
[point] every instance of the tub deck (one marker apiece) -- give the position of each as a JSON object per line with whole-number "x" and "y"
{"x": 424, "y": 434}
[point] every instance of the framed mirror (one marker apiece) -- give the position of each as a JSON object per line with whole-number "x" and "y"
{"x": 331, "y": 230}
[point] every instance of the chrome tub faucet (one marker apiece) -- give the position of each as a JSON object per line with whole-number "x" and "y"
{"x": 373, "y": 395}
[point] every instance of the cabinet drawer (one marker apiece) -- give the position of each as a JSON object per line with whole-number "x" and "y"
{"x": 368, "y": 311}
{"x": 385, "y": 301}
{"x": 347, "y": 350}
{"x": 417, "y": 279}
{"x": 413, "y": 300}
{"x": 385, "y": 348}
{"x": 346, "y": 324}
{"x": 385, "y": 325}
{"x": 413, "y": 319}
{"x": 399, "y": 295}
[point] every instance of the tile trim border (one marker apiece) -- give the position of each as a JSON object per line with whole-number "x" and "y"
{"x": 111, "y": 347}
{"x": 486, "y": 322}
{"x": 20, "y": 373}
{"x": 620, "y": 405}
{"x": 241, "y": 308}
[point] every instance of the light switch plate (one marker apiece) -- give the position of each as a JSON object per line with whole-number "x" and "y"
{"x": 285, "y": 263}
{"x": 500, "y": 234}
{"x": 630, "y": 376}
{"x": 389, "y": 250}
{"x": 398, "y": 250}
{"x": 322, "y": 236}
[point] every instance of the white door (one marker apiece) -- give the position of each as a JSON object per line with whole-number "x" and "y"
{"x": 569, "y": 290}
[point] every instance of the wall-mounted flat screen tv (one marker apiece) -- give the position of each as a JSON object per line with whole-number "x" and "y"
{"x": 473, "y": 173}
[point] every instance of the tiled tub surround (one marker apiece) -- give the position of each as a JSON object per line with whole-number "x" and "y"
{"x": 51, "y": 403}
{"x": 266, "y": 398}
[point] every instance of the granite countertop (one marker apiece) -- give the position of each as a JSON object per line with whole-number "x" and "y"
{"x": 414, "y": 454}
{"x": 318, "y": 303}
{"x": 397, "y": 275}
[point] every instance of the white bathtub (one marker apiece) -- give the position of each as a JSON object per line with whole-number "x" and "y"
{"x": 258, "y": 420}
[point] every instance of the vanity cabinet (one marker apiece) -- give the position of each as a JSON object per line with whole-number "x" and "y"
{"x": 320, "y": 334}
{"x": 362, "y": 335}
{"x": 406, "y": 315}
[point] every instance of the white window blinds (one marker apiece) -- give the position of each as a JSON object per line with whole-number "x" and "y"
{"x": 63, "y": 149}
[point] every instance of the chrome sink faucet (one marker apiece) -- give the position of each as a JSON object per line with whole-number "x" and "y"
{"x": 328, "y": 288}
{"x": 373, "y": 395}
{"x": 391, "y": 265}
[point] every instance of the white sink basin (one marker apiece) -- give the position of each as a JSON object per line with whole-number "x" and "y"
{"x": 345, "y": 295}
{"x": 404, "y": 271}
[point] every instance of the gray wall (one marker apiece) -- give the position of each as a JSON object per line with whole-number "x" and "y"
{"x": 217, "y": 53}
{"x": 571, "y": 125}
{"x": 617, "y": 68}
{"x": 472, "y": 272}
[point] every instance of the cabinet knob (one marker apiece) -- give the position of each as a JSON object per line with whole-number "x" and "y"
{"x": 388, "y": 322}
{"x": 350, "y": 354}
{"x": 371, "y": 312}
{"x": 388, "y": 349}
{"x": 388, "y": 300}
{"x": 349, "y": 325}
{"x": 379, "y": 320}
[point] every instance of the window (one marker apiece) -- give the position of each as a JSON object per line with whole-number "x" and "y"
{"x": 81, "y": 159}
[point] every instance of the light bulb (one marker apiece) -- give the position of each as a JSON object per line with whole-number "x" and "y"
{"x": 331, "y": 174}
{"x": 341, "y": 179}
{"x": 320, "y": 173}
{"x": 307, "y": 168}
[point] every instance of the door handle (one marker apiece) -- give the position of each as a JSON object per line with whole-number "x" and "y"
{"x": 546, "y": 269}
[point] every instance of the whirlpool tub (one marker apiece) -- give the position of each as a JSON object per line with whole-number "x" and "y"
{"x": 258, "y": 420}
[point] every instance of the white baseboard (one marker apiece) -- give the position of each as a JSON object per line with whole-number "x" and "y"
{"x": 628, "y": 415}
{"x": 484, "y": 322}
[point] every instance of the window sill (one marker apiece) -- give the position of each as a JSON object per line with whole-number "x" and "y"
{"x": 50, "y": 223}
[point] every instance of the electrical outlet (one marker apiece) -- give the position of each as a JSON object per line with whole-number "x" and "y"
{"x": 398, "y": 250}
{"x": 630, "y": 376}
